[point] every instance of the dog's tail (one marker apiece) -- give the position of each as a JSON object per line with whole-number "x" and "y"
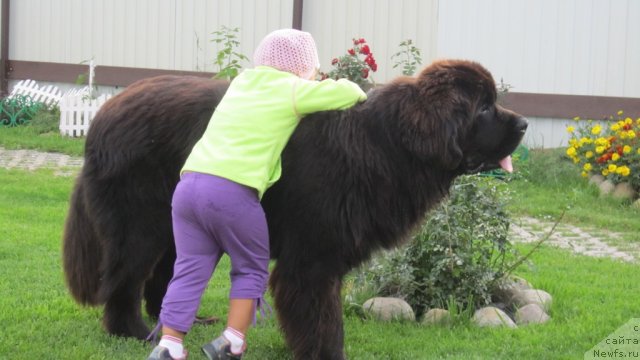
{"x": 81, "y": 251}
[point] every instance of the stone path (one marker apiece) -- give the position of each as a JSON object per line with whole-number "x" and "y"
{"x": 592, "y": 242}
{"x": 32, "y": 160}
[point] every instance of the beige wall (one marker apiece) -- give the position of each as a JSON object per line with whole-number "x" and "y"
{"x": 164, "y": 34}
{"x": 548, "y": 46}
{"x": 383, "y": 23}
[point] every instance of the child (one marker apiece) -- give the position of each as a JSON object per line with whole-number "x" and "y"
{"x": 216, "y": 205}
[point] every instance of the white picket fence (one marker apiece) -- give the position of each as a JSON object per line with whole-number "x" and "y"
{"x": 48, "y": 95}
{"x": 77, "y": 112}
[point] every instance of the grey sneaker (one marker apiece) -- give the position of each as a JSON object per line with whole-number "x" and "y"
{"x": 162, "y": 353}
{"x": 220, "y": 349}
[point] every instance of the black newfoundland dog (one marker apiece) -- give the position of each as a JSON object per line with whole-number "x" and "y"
{"x": 354, "y": 182}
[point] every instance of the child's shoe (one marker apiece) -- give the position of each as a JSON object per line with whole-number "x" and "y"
{"x": 162, "y": 353}
{"x": 220, "y": 349}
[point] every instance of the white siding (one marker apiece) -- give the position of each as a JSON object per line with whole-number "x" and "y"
{"x": 580, "y": 47}
{"x": 383, "y": 23}
{"x": 163, "y": 34}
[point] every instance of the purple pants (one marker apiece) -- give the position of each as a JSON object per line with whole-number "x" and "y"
{"x": 212, "y": 216}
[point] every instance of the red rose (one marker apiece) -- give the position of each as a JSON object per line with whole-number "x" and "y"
{"x": 365, "y": 50}
{"x": 334, "y": 61}
{"x": 351, "y": 52}
{"x": 365, "y": 73}
{"x": 362, "y": 41}
{"x": 374, "y": 66}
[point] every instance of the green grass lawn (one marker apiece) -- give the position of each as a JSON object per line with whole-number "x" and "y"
{"x": 548, "y": 184}
{"x": 592, "y": 297}
{"x": 40, "y": 138}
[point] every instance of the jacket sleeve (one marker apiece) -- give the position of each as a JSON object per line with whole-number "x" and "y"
{"x": 314, "y": 96}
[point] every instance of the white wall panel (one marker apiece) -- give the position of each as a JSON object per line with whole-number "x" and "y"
{"x": 164, "y": 34}
{"x": 581, "y": 47}
{"x": 383, "y": 23}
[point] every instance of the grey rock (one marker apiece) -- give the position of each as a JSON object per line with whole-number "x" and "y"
{"x": 596, "y": 179}
{"x": 508, "y": 287}
{"x": 531, "y": 314}
{"x": 436, "y": 316}
{"x": 492, "y": 317}
{"x": 386, "y": 308}
{"x": 624, "y": 191}
{"x": 526, "y": 297}
{"x": 606, "y": 187}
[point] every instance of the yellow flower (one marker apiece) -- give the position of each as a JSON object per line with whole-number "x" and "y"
{"x": 623, "y": 170}
{"x": 588, "y": 154}
{"x": 631, "y": 134}
{"x": 571, "y": 151}
{"x": 620, "y": 112}
{"x": 612, "y": 168}
{"x": 570, "y": 129}
{"x": 574, "y": 143}
{"x": 596, "y": 130}
{"x": 605, "y": 172}
{"x": 584, "y": 174}
{"x": 615, "y": 127}
{"x": 615, "y": 157}
{"x": 602, "y": 141}
{"x": 599, "y": 149}
{"x": 626, "y": 149}
{"x": 638, "y": 121}
{"x": 575, "y": 160}
{"x": 628, "y": 121}
{"x": 587, "y": 167}
{"x": 578, "y": 118}
{"x": 623, "y": 135}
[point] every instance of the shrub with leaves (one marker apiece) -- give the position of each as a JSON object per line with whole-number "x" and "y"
{"x": 408, "y": 57}
{"x": 455, "y": 258}
{"x": 228, "y": 58}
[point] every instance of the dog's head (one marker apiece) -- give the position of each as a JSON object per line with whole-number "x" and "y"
{"x": 449, "y": 117}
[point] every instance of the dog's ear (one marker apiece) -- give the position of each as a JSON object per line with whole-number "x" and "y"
{"x": 428, "y": 123}
{"x": 433, "y": 135}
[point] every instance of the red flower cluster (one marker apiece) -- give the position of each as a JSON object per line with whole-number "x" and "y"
{"x": 352, "y": 66}
{"x": 362, "y": 48}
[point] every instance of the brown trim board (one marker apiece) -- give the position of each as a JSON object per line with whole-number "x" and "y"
{"x": 527, "y": 104}
{"x": 4, "y": 47}
{"x": 569, "y": 106}
{"x": 297, "y": 14}
{"x": 104, "y": 75}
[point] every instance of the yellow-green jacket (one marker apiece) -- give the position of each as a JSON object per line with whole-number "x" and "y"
{"x": 254, "y": 120}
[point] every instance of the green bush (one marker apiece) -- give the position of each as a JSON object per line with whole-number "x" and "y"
{"x": 455, "y": 258}
{"x": 46, "y": 120}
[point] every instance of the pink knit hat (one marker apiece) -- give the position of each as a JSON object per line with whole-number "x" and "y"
{"x": 288, "y": 50}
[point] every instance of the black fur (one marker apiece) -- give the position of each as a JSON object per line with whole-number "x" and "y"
{"x": 353, "y": 182}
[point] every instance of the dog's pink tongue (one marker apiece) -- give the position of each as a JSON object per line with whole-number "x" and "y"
{"x": 506, "y": 164}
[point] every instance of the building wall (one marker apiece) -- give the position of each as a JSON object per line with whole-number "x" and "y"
{"x": 383, "y": 23}
{"x": 162, "y": 34}
{"x": 580, "y": 47}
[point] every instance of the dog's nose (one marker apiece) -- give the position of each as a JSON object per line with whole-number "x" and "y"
{"x": 521, "y": 124}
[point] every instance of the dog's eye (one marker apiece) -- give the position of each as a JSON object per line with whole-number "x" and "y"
{"x": 485, "y": 109}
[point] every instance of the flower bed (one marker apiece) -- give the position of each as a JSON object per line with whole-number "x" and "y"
{"x": 610, "y": 149}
